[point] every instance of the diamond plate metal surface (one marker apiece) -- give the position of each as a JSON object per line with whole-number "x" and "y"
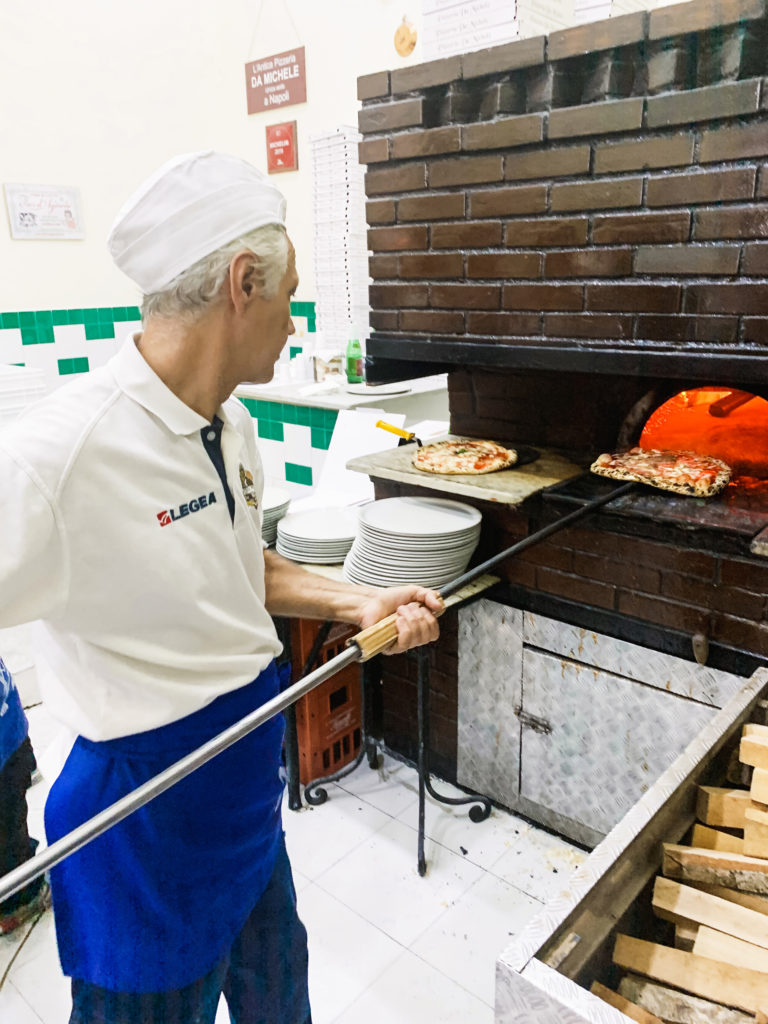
{"x": 611, "y": 738}
{"x": 519, "y": 1001}
{"x": 662, "y": 671}
{"x": 490, "y": 673}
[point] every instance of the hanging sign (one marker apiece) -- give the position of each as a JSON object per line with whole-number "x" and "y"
{"x": 277, "y": 81}
{"x": 44, "y": 211}
{"x": 282, "y": 154}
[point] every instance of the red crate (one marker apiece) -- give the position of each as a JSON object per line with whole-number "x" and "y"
{"x": 328, "y": 718}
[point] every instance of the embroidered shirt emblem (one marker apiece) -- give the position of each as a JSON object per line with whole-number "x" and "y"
{"x": 249, "y": 489}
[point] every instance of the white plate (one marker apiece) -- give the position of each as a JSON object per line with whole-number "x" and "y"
{"x": 329, "y": 524}
{"x": 414, "y": 517}
{"x": 417, "y": 545}
{"x": 378, "y": 389}
{"x": 274, "y": 497}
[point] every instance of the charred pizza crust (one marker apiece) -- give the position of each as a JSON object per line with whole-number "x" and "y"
{"x": 463, "y": 456}
{"x": 701, "y": 476}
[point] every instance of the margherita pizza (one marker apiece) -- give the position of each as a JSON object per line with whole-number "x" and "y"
{"x": 468, "y": 456}
{"x": 681, "y": 472}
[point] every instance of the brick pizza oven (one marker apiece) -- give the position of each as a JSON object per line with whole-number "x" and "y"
{"x": 576, "y": 228}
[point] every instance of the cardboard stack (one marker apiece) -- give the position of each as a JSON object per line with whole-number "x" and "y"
{"x": 340, "y": 243}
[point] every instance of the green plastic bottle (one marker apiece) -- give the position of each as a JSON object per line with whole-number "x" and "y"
{"x": 354, "y": 362}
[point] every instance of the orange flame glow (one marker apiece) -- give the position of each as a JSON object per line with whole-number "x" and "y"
{"x": 729, "y": 424}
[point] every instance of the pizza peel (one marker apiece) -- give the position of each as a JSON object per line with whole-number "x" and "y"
{"x": 365, "y": 645}
{"x": 525, "y": 454}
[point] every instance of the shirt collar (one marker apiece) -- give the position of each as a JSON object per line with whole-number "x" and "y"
{"x": 139, "y": 381}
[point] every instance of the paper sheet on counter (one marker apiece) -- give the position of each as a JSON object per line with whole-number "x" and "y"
{"x": 355, "y": 434}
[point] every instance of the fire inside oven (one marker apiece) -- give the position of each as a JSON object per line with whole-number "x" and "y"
{"x": 728, "y": 424}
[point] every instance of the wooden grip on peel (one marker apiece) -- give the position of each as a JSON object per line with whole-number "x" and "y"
{"x": 383, "y": 634}
{"x": 379, "y": 636}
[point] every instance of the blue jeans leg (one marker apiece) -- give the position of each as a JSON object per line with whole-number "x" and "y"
{"x": 266, "y": 981}
{"x": 263, "y": 975}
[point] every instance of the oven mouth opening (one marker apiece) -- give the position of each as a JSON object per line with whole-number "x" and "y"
{"x": 723, "y": 422}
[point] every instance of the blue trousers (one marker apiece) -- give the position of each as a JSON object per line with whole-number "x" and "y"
{"x": 263, "y": 976}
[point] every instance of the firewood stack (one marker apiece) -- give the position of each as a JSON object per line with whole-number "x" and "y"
{"x": 715, "y": 892}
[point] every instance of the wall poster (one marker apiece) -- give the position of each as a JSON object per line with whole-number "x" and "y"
{"x": 282, "y": 154}
{"x": 44, "y": 211}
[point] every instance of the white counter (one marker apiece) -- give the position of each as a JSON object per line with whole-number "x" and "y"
{"x": 341, "y": 397}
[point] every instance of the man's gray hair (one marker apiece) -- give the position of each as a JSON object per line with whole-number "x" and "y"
{"x": 192, "y": 291}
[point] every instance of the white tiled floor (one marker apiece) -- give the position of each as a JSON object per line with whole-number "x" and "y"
{"x": 385, "y": 945}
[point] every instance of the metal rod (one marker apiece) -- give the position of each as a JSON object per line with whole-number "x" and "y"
{"x": 533, "y": 538}
{"x": 95, "y": 826}
{"x": 99, "y": 823}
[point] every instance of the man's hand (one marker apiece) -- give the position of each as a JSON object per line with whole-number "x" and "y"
{"x": 414, "y": 606}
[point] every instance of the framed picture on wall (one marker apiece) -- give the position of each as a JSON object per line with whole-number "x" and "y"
{"x": 44, "y": 211}
{"x": 282, "y": 153}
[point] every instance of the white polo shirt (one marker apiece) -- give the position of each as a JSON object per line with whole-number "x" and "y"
{"x": 115, "y": 530}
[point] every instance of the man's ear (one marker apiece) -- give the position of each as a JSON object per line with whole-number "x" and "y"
{"x": 242, "y": 287}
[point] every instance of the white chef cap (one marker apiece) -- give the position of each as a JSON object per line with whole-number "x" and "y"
{"x": 187, "y": 209}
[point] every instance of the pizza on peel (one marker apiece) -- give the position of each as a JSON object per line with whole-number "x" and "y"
{"x": 682, "y": 472}
{"x": 463, "y": 456}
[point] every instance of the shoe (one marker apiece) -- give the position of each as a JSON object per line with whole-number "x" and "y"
{"x": 39, "y": 903}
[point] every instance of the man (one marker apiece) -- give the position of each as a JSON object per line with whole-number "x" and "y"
{"x": 131, "y": 509}
{"x": 17, "y": 762}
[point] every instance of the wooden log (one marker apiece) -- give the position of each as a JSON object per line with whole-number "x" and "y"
{"x": 753, "y": 750}
{"x": 683, "y": 902}
{"x": 631, "y": 1010}
{"x": 718, "y": 946}
{"x": 758, "y": 789}
{"x": 722, "y": 807}
{"x": 677, "y": 1007}
{"x": 749, "y": 874}
{"x": 744, "y": 899}
{"x": 733, "y": 986}
{"x": 756, "y": 831}
{"x": 685, "y": 935}
{"x": 713, "y": 839}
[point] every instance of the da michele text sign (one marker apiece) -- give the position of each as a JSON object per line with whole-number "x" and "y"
{"x": 277, "y": 81}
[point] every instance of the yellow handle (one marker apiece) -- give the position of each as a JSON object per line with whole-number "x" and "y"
{"x": 396, "y": 430}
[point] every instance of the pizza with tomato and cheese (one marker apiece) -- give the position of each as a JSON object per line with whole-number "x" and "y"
{"x": 467, "y": 456}
{"x": 681, "y": 472}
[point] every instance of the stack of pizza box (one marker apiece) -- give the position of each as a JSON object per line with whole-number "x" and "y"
{"x": 715, "y": 893}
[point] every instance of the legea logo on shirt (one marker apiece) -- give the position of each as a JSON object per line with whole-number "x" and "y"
{"x": 169, "y": 516}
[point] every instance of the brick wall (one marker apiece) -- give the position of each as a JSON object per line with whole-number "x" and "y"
{"x": 543, "y": 216}
{"x": 602, "y": 187}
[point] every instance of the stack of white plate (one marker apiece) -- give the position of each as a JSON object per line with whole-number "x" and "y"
{"x": 20, "y": 386}
{"x": 321, "y": 535}
{"x": 412, "y": 540}
{"x": 274, "y": 505}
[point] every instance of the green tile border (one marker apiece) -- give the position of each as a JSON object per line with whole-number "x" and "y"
{"x": 99, "y": 321}
{"x": 296, "y": 474}
{"x": 77, "y": 365}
